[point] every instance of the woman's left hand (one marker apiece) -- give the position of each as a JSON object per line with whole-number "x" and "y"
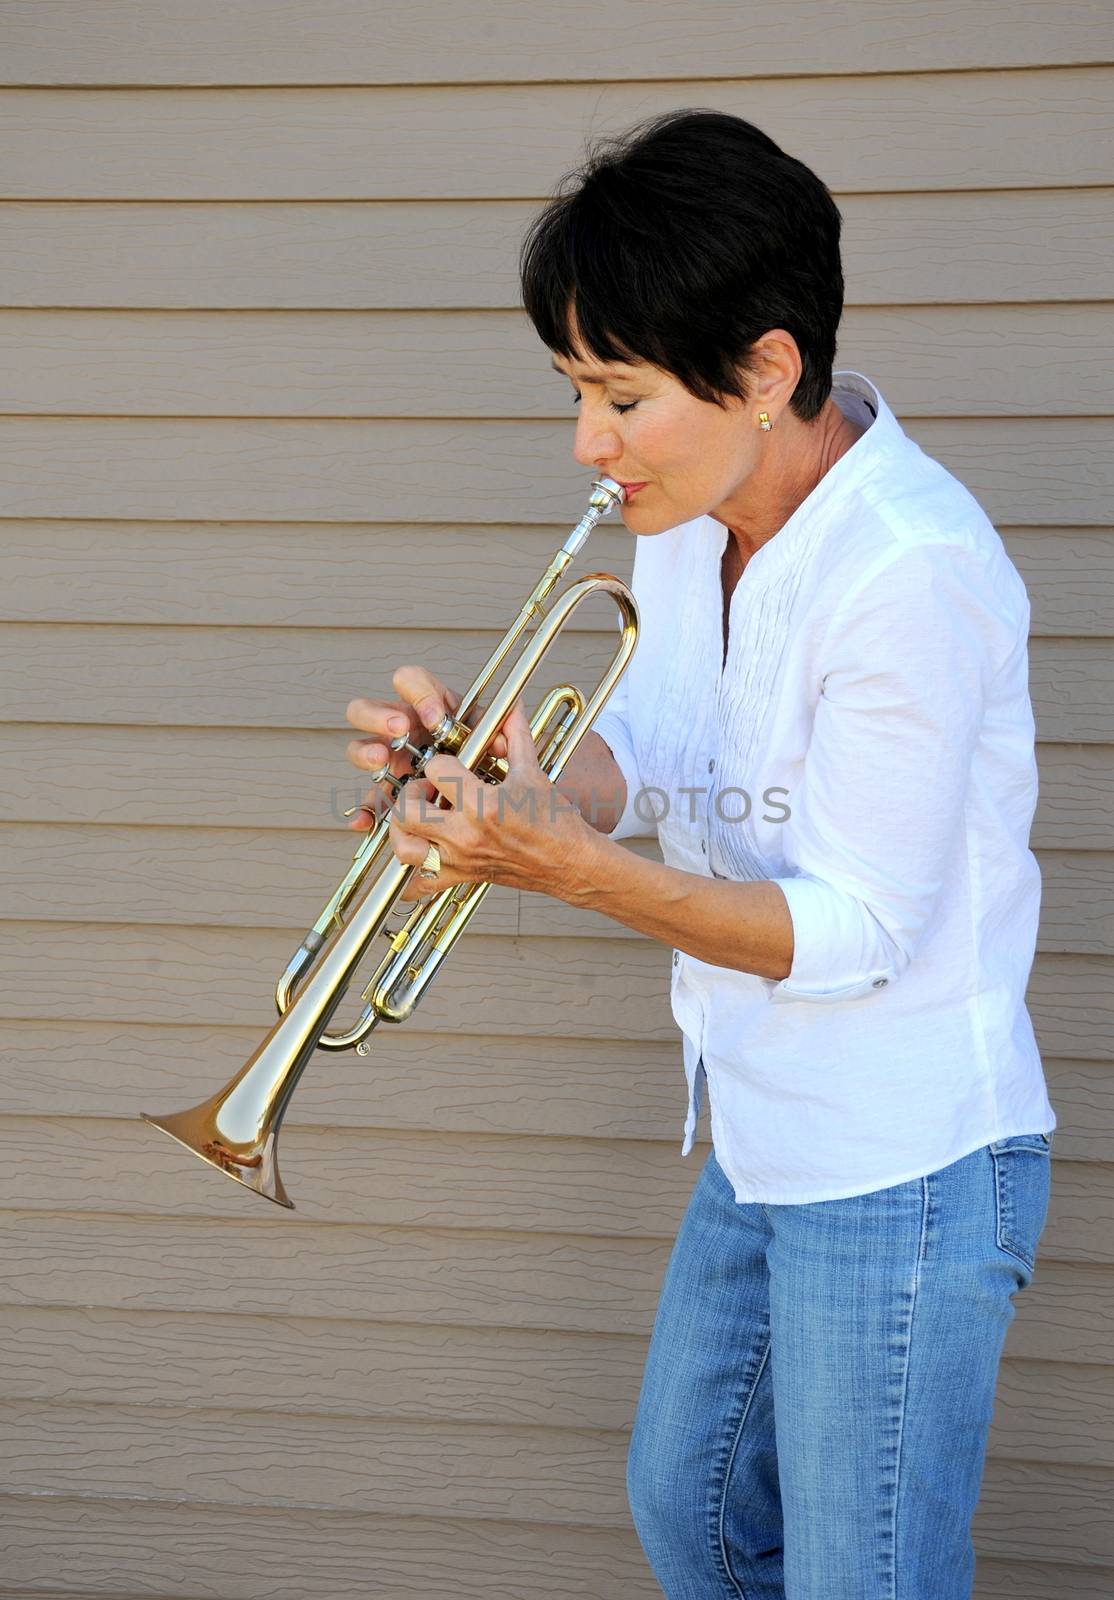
{"x": 522, "y": 832}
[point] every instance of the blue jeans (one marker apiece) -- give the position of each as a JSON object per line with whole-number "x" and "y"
{"x": 814, "y": 1409}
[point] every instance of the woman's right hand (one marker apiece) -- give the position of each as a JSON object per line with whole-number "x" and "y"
{"x": 423, "y": 701}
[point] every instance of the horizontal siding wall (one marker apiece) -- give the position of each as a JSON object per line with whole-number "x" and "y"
{"x": 142, "y": 42}
{"x": 272, "y": 423}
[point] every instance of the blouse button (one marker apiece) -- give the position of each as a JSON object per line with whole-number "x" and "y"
{"x": 712, "y": 764}
{"x": 704, "y": 846}
{"x": 879, "y": 983}
{"x": 676, "y": 958}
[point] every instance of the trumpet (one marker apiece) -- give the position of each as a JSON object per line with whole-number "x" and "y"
{"x": 236, "y": 1129}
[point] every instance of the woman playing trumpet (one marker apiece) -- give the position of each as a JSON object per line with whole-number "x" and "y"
{"x": 832, "y": 631}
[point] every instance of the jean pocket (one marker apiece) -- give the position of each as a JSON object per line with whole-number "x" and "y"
{"x": 1022, "y": 1180}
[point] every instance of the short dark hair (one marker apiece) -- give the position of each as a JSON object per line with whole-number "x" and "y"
{"x": 681, "y": 243}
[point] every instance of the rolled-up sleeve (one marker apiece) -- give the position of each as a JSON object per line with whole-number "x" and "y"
{"x": 877, "y": 825}
{"x": 613, "y": 727}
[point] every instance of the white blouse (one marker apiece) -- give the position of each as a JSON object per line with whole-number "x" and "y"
{"x": 868, "y": 747}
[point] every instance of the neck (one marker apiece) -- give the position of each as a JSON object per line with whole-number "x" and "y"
{"x": 790, "y": 470}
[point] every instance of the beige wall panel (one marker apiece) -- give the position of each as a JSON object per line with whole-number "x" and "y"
{"x": 1080, "y": 1224}
{"x": 1054, "y": 1411}
{"x": 1071, "y": 1001}
{"x": 613, "y": 988}
{"x": 482, "y": 1084}
{"x": 1069, "y": 574}
{"x": 605, "y": 1188}
{"x": 212, "y": 1552}
{"x": 1073, "y": 804}
{"x": 263, "y": 778}
{"x": 1045, "y": 1513}
{"x": 947, "y": 360}
{"x": 618, "y": 988}
{"x": 982, "y": 245}
{"x": 997, "y": 1579}
{"x": 235, "y": 1553}
{"x": 544, "y": 1476}
{"x": 142, "y": 41}
{"x": 1024, "y": 471}
{"x": 247, "y": 575}
{"x": 270, "y": 677}
{"x": 280, "y": 1266}
{"x": 23, "y": 1593}
{"x": 980, "y": 360}
{"x": 337, "y": 574}
{"x": 1082, "y": 1093}
{"x": 275, "y": 778}
{"x": 605, "y": 989}
{"x": 375, "y": 1371}
{"x": 624, "y": 1189}
{"x": 242, "y": 878}
{"x": 315, "y": 1365}
{"x": 306, "y": 677}
{"x": 221, "y": 877}
{"x": 274, "y": 1264}
{"x": 384, "y": 1467}
{"x": 1077, "y": 893}
{"x": 239, "y": 878}
{"x": 943, "y": 130}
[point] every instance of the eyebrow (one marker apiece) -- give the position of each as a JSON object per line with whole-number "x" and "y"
{"x": 616, "y": 377}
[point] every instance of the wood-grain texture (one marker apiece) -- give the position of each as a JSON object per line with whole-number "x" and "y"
{"x": 271, "y": 423}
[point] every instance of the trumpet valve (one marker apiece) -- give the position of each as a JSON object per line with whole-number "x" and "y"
{"x": 450, "y": 734}
{"x": 403, "y": 743}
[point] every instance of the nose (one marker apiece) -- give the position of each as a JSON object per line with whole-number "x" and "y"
{"x": 595, "y": 445}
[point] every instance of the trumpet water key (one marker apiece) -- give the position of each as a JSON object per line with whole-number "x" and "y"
{"x": 236, "y": 1129}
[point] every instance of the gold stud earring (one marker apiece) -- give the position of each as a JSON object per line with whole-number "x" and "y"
{"x": 764, "y": 421}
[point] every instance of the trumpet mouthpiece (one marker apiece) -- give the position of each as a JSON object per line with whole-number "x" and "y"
{"x": 606, "y": 494}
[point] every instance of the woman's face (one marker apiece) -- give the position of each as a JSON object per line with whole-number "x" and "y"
{"x": 694, "y": 457}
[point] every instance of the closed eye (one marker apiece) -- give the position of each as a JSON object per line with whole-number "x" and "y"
{"x": 612, "y": 404}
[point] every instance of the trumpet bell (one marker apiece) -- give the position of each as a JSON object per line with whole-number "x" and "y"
{"x": 252, "y": 1161}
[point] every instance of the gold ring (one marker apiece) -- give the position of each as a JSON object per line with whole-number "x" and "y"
{"x": 431, "y": 863}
